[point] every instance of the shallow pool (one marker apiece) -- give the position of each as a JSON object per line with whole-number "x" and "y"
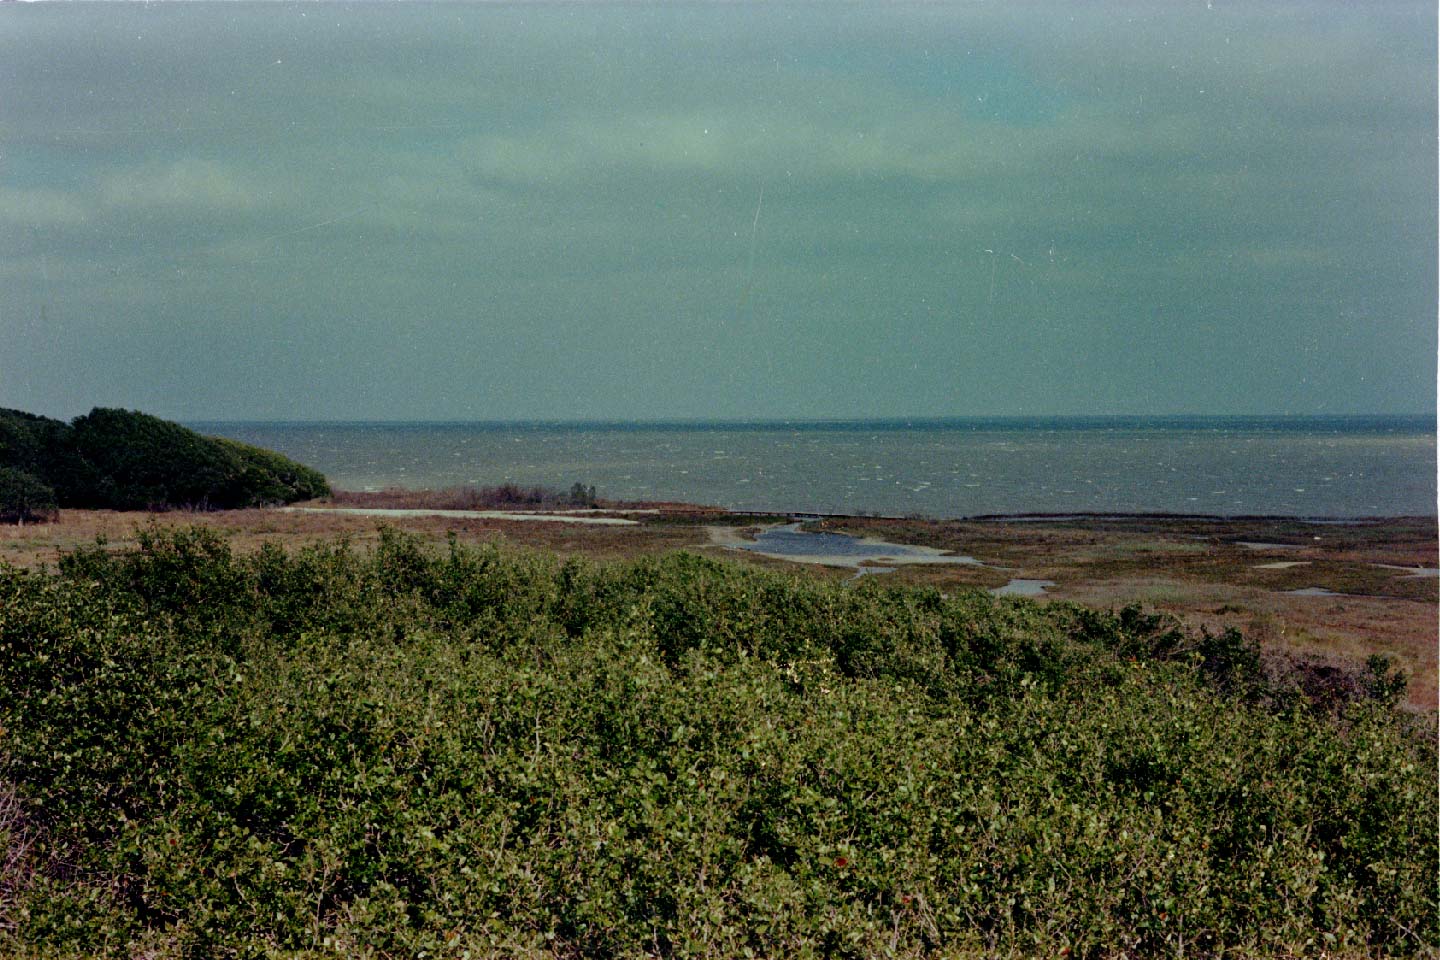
{"x": 789, "y": 542}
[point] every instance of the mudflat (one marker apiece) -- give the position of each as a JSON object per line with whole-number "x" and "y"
{"x": 1332, "y": 591}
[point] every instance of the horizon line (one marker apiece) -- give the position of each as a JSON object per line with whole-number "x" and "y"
{"x": 1429, "y": 416}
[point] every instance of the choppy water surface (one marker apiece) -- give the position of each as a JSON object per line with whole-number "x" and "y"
{"x": 1343, "y": 467}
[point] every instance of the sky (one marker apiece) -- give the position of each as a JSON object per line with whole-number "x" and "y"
{"x": 387, "y": 211}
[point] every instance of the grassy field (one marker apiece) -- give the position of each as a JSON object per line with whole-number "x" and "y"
{"x": 393, "y": 748}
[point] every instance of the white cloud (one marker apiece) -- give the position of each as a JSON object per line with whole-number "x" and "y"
{"x": 185, "y": 184}
{"x": 40, "y": 208}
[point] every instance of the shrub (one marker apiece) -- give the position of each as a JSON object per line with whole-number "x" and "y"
{"x": 403, "y": 753}
{"x": 24, "y": 497}
{"x": 1384, "y": 681}
{"x": 268, "y": 477}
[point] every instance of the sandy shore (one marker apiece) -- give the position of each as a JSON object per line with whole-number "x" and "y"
{"x": 549, "y": 516}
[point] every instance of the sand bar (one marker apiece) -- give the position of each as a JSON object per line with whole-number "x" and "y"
{"x": 1023, "y": 588}
{"x": 564, "y": 516}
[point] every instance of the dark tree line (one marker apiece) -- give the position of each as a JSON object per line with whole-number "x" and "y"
{"x": 126, "y": 460}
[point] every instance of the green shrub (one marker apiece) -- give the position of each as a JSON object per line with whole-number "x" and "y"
{"x": 267, "y": 477}
{"x": 1383, "y": 680}
{"x": 404, "y": 753}
{"x": 1230, "y": 661}
{"x": 24, "y": 497}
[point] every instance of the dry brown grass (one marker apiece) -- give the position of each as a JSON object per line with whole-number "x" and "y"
{"x": 38, "y": 544}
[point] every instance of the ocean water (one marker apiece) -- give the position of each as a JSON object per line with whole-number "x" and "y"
{"x": 1307, "y": 467}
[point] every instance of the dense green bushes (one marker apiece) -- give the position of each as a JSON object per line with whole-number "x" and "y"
{"x": 403, "y": 754}
{"x": 23, "y": 496}
{"x": 39, "y": 460}
{"x": 124, "y": 460}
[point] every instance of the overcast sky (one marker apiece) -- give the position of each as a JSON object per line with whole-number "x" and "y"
{"x": 382, "y": 211}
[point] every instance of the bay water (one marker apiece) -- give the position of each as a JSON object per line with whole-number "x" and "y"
{"x": 1318, "y": 467}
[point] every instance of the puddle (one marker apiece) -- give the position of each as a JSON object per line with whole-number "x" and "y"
{"x": 1023, "y": 588}
{"x": 789, "y": 542}
{"x": 1313, "y": 592}
{"x": 1035, "y": 517}
{"x": 1282, "y": 565}
{"x": 1413, "y": 573}
{"x": 1261, "y": 545}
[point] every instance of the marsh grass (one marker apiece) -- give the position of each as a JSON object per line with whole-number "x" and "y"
{"x": 1196, "y": 567}
{"x": 469, "y": 497}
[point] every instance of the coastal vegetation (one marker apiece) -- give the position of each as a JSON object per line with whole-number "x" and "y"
{"x": 505, "y": 496}
{"x": 409, "y": 751}
{"x": 24, "y": 496}
{"x": 126, "y": 460}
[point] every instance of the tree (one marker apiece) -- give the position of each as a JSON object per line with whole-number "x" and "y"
{"x": 24, "y": 496}
{"x": 127, "y": 460}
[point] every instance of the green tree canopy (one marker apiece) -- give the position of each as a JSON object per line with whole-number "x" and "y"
{"x": 127, "y": 460}
{"x": 24, "y": 496}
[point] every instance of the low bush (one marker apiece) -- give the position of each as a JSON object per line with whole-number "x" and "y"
{"x": 474, "y": 752}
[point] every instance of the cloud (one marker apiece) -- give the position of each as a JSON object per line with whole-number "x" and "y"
{"x": 453, "y": 176}
{"x": 186, "y": 184}
{"x": 41, "y": 207}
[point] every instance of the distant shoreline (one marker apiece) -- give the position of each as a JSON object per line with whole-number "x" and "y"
{"x": 652, "y": 507}
{"x": 1358, "y": 421}
{"x": 1088, "y": 516}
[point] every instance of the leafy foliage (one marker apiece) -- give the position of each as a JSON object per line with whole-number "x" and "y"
{"x": 402, "y": 753}
{"x": 22, "y": 439}
{"x": 24, "y": 496}
{"x": 268, "y": 477}
{"x": 126, "y": 460}
{"x": 42, "y": 447}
